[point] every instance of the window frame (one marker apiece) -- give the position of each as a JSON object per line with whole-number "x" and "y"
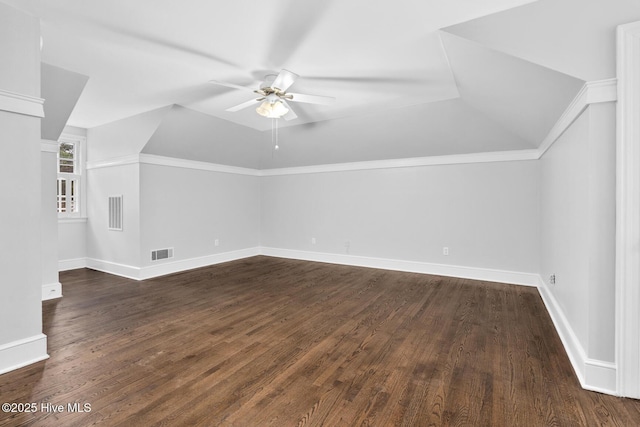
{"x": 78, "y": 175}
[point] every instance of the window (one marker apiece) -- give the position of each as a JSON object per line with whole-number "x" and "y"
{"x": 69, "y": 174}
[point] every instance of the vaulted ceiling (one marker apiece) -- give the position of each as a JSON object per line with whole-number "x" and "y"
{"x": 410, "y": 78}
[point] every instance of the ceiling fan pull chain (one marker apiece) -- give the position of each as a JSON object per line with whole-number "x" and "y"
{"x": 276, "y": 120}
{"x": 274, "y": 134}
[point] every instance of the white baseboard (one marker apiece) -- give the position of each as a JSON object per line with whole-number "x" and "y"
{"x": 502, "y": 276}
{"x": 600, "y": 376}
{"x": 594, "y": 375}
{"x": 72, "y": 264}
{"x": 170, "y": 267}
{"x": 165, "y": 268}
{"x": 51, "y": 291}
{"x": 123, "y": 270}
{"x": 20, "y": 353}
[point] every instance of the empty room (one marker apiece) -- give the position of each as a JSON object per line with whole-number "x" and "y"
{"x": 305, "y": 213}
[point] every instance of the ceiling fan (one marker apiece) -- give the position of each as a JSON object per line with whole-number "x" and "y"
{"x": 274, "y": 96}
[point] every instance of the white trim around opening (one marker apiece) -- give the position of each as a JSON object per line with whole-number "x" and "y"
{"x": 628, "y": 211}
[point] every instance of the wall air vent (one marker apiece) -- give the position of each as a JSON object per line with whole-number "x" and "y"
{"x": 115, "y": 213}
{"x": 161, "y": 254}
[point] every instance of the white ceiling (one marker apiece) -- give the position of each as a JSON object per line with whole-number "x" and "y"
{"x": 411, "y": 78}
{"x": 145, "y": 54}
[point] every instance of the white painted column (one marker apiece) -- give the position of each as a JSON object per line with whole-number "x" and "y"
{"x": 51, "y": 287}
{"x": 628, "y": 211}
{"x": 21, "y": 339}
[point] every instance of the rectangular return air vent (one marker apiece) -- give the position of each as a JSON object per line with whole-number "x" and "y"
{"x": 115, "y": 213}
{"x": 161, "y": 254}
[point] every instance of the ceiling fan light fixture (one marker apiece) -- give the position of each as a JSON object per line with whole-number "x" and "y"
{"x": 272, "y": 110}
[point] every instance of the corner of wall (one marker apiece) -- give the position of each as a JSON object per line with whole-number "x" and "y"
{"x": 51, "y": 291}
{"x": 24, "y": 352}
{"x": 594, "y": 375}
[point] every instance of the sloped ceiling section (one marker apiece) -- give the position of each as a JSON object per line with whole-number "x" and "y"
{"x": 504, "y": 103}
{"x": 60, "y": 89}
{"x": 123, "y": 137}
{"x": 433, "y": 129}
{"x": 520, "y": 96}
{"x": 191, "y": 135}
{"x": 497, "y": 79}
{"x": 574, "y": 37}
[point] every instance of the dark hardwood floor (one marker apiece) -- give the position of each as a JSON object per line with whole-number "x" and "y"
{"x": 266, "y": 341}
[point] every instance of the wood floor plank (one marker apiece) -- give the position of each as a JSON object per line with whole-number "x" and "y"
{"x": 275, "y": 342}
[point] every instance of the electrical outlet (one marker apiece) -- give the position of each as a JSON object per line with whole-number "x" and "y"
{"x": 347, "y": 245}
{"x": 216, "y": 242}
{"x": 445, "y": 250}
{"x": 313, "y": 240}
{"x": 552, "y": 279}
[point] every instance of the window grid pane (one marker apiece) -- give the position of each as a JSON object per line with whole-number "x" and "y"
{"x": 67, "y": 157}
{"x": 67, "y": 195}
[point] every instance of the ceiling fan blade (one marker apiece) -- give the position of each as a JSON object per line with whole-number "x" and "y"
{"x": 291, "y": 114}
{"x": 371, "y": 79}
{"x": 152, "y": 44}
{"x": 312, "y": 99}
{"x": 242, "y": 106}
{"x": 284, "y": 80}
{"x": 292, "y": 28}
{"x": 235, "y": 86}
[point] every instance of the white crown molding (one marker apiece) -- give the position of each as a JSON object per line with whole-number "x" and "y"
{"x": 47, "y": 146}
{"x": 594, "y": 375}
{"x": 491, "y": 275}
{"x": 454, "y": 159}
{"x": 20, "y": 353}
{"x": 152, "y": 159}
{"x": 51, "y": 291}
{"x": 70, "y": 137}
{"x": 628, "y": 210}
{"x": 591, "y": 93}
{"x": 601, "y": 91}
{"x": 21, "y": 104}
{"x": 116, "y": 161}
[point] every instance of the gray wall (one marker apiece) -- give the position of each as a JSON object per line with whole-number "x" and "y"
{"x": 120, "y": 247}
{"x": 49, "y": 218}
{"x": 72, "y": 240}
{"x": 486, "y": 214}
{"x": 20, "y": 251}
{"x": 20, "y": 185}
{"x": 578, "y": 228}
{"x": 188, "y": 209}
{"x": 174, "y": 207}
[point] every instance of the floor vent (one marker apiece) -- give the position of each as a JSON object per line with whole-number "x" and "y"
{"x": 161, "y": 254}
